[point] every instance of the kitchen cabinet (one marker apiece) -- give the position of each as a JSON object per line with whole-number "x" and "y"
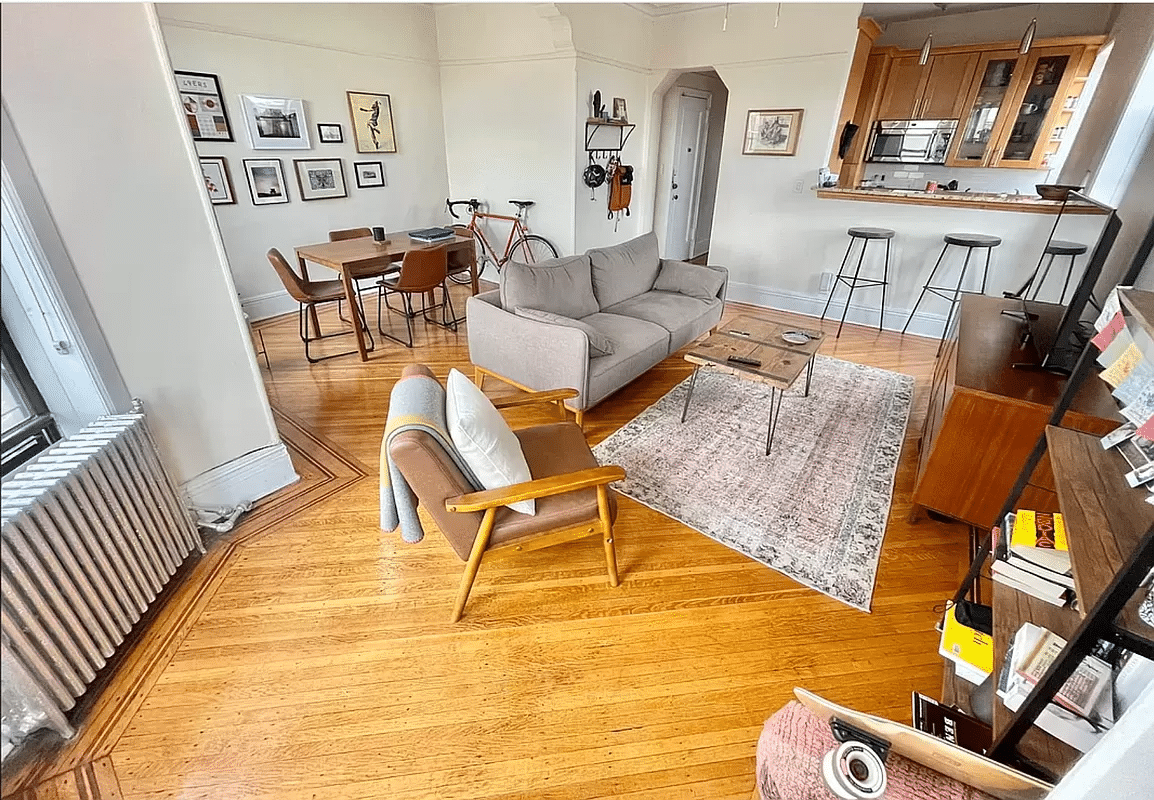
{"x": 934, "y": 90}
{"x": 979, "y": 124}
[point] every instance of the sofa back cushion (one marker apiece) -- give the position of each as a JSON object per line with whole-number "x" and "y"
{"x": 624, "y": 270}
{"x": 560, "y": 286}
{"x": 691, "y": 280}
{"x": 599, "y": 343}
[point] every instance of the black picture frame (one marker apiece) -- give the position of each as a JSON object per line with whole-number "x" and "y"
{"x": 217, "y": 181}
{"x": 320, "y": 178}
{"x": 266, "y": 183}
{"x": 364, "y": 177}
{"x": 202, "y": 101}
{"x": 325, "y": 131}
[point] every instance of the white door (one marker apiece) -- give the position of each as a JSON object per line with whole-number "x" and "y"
{"x": 692, "y": 122}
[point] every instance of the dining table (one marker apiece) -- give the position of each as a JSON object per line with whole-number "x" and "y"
{"x": 363, "y": 257}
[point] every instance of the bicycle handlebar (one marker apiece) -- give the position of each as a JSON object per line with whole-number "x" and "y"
{"x": 472, "y": 203}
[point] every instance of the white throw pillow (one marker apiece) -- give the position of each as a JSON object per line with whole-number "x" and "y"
{"x": 484, "y": 440}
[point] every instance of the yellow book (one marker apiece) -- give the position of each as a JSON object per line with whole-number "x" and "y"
{"x": 1040, "y": 537}
{"x": 961, "y": 643}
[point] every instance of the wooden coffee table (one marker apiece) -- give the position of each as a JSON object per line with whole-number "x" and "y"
{"x": 781, "y": 361}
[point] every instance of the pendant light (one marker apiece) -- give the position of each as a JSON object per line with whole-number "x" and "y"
{"x": 924, "y": 56}
{"x": 1028, "y": 37}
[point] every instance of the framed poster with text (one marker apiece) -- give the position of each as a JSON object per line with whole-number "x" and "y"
{"x": 203, "y": 106}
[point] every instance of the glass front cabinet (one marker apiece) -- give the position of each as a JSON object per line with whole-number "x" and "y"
{"x": 1012, "y": 108}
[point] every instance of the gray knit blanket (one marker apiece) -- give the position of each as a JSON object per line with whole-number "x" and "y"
{"x": 417, "y": 403}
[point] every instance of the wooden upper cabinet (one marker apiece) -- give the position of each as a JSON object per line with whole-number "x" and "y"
{"x": 944, "y": 93}
{"x": 1040, "y": 96}
{"x": 902, "y": 92}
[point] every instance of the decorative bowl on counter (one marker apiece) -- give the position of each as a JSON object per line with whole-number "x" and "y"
{"x": 1056, "y": 191}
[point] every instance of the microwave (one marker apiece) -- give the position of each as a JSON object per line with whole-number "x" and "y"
{"x": 911, "y": 141}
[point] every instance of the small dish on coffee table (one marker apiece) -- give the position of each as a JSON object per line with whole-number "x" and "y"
{"x": 796, "y": 337}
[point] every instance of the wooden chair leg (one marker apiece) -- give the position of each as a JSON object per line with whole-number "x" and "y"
{"x": 607, "y": 534}
{"x": 474, "y": 563}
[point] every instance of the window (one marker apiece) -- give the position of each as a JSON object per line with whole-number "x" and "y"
{"x": 28, "y": 427}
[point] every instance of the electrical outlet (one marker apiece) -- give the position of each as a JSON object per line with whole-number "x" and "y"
{"x": 826, "y": 281}
{"x": 799, "y": 186}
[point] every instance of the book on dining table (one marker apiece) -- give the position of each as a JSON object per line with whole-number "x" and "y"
{"x": 431, "y": 234}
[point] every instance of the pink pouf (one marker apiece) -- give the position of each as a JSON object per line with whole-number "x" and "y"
{"x": 793, "y": 743}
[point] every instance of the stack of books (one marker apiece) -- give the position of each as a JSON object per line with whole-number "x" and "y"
{"x": 431, "y": 234}
{"x": 951, "y": 724}
{"x": 972, "y": 651}
{"x": 1081, "y": 711}
{"x": 1035, "y": 558}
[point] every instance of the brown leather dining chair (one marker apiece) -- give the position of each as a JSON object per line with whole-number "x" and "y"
{"x": 422, "y": 271}
{"x": 571, "y": 490}
{"x": 360, "y": 233}
{"x": 310, "y": 294}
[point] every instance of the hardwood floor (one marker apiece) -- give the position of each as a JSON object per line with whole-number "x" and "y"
{"x": 308, "y": 656}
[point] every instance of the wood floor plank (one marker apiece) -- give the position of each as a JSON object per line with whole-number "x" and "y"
{"x": 314, "y": 660}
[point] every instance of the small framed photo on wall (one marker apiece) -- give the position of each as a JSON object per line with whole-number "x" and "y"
{"x": 369, "y": 174}
{"x": 216, "y": 180}
{"x": 372, "y": 116}
{"x": 265, "y": 181}
{"x": 320, "y": 178}
{"x": 330, "y": 132}
{"x": 772, "y": 132}
{"x": 619, "y": 112}
{"x": 275, "y": 123}
{"x": 203, "y": 104}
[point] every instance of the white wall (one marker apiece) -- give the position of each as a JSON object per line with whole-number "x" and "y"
{"x": 508, "y": 88}
{"x": 1000, "y": 25}
{"x": 91, "y": 99}
{"x": 317, "y": 53}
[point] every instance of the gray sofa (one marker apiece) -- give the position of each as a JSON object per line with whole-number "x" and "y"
{"x": 592, "y": 322}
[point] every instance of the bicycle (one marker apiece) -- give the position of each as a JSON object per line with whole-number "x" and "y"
{"x": 522, "y": 246}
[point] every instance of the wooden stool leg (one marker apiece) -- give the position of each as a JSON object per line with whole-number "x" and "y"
{"x": 474, "y": 563}
{"x": 607, "y": 534}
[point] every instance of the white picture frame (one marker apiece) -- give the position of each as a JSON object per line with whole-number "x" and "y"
{"x": 275, "y": 123}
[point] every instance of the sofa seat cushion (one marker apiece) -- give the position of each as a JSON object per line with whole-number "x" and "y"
{"x": 684, "y": 317}
{"x": 638, "y": 346}
{"x": 553, "y": 449}
{"x": 624, "y": 270}
{"x": 560, "y": 286}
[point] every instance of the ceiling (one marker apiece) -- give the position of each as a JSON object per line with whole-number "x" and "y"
{"x": 902, "y": 12}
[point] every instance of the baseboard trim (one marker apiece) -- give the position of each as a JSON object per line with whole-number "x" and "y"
{"x": 244, "y": 479}
{"x": 279, "y": 303}
{"x": 923, "y": 324}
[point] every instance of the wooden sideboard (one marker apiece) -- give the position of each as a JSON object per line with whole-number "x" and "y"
{"x": 985, "y": 416}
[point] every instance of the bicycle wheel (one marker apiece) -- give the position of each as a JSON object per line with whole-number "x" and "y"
{"x": 483, "y": 258}
{"x": 531, "y": 249}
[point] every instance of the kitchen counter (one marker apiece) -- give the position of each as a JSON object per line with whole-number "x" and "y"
{"x": 1031, "y": 204}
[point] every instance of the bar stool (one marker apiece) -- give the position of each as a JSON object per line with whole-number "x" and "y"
{"x": 970, "y": 241}
{"x": 865, "y": 235}
{"x": 1056, "y": 248}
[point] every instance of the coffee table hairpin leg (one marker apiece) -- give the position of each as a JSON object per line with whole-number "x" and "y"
{"x": 689, "y": 394}
{"x": 808, "y": 375}
{"x": 775, "y": 397}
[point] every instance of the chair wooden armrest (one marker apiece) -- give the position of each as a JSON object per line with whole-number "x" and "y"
{"x": 551, "y": 396}
{"x": 541, "y": 487}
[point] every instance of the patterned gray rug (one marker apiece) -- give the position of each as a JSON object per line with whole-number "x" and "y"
{"x": 816, "y": 508}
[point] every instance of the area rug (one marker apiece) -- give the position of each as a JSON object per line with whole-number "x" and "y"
{"x": 815, "y": 509}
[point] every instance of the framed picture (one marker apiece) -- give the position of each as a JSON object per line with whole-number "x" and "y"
{"x": 372, "y": 116}
{"x": 619, "y": 112}
{"x": 369, "y": 174}
{"x": 772, "y": 132}
{"x": 320, "y": 178}
{"x": 216, "y": 180}
{"x": 265, "y": 181}
{"x": 203, "y": 106}
{"x": 275, "y": 123}
{"x": 330, "y": 132}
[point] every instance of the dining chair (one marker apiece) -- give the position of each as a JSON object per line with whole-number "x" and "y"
{"x": 309, "y": 295}
{"x": 422, "y": 271}
{"x": 571, "y": 490}
{"x": 359, "y": 233}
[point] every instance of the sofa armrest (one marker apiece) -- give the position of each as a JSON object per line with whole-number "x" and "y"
{"x": 704, "y": 268}
{"x": 533, "y": 355}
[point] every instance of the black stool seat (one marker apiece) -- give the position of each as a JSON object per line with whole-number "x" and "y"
{"x": 871, "y": 233}
{"x": 1058, "y": 247}
{"x": 972, "y": 239}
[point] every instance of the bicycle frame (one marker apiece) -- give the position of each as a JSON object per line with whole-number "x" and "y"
{"x": 516, "y": 231}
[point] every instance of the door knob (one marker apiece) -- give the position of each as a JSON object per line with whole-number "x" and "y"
{"x": 674, "y": 197}
{"x": 674, "y": 185}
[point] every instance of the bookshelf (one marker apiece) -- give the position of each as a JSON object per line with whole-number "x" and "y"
{"x": 1111, "y": 533}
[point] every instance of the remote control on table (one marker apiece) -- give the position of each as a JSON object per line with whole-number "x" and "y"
{"x": 749, "y": 362}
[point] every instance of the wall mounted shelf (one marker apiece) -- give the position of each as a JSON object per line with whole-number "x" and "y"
{"x": 616, "y": 143}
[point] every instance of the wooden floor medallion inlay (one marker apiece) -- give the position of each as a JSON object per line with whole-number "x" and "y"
{"x": 307, "y": 655}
